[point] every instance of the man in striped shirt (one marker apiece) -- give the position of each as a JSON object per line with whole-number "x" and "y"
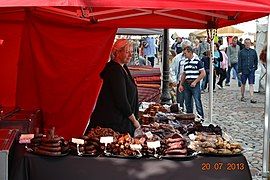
{"x": 190, "y": 81}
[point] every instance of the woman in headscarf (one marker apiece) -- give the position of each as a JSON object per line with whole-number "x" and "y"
{"x": 117, "y": 104}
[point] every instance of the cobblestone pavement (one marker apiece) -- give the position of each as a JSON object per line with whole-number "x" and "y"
{"x": 242, "y": 120}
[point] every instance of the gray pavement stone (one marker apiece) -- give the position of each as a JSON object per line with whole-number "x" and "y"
{"x": 242, "y": 120}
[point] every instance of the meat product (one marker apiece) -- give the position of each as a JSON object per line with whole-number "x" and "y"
{"x": 171, "y": 140}
{"x": 47, "y": 153}
{"x": 176, "y": 151}
{"x": 177, "y": 146}
{"x": 93, "y": 139}
{"x": 94, "y": 151}
{"x": 90, "y": 148}
{"x": 52, "y": 149}
{"x": 36, "y": 140}
{"x": 51, "y": 140}
{"x": 174, "y": 136}
{"x": 92, "y": 143}
{"x": 51, "y": 144}
{"x": 85, "y": 138}
{"x": 38, "y": 135}
{"x": 64, "y": 148}
{"x": 179, "y": 143}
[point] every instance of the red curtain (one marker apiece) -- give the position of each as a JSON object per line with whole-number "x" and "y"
{"x": 11, "y": 25}
{"x": 58, "y": 70}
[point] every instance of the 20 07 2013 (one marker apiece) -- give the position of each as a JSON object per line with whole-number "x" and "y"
{"x": 218, "y": 166}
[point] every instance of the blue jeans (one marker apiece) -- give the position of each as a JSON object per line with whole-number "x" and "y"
{"x": 205, "y": 81}
{"x": 228, "y": 78}
{"x": 194, "y": 92}
{"x": 180, "y": 98}
{"x": 234, "y": 74}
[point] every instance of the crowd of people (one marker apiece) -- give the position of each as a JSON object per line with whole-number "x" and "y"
{"x": 191, "y": 66}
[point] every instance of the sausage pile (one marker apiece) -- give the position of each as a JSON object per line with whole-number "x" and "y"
{"x": 91, "y": 146}
{"x": 214, "y": 144}
{"x": 49, "y": 145}
{"x": 122, "y": 147}
{"x": 98, "y": 132}
{"x": 176, "y": 145}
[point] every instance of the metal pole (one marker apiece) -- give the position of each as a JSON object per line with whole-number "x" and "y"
{"x": 211, "y": 79}
{"x": 267, "y": 110}
{"x": 165, "y": 96}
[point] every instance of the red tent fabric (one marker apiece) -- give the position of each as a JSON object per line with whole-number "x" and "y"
{"x": 51, "y": 56}
{"x": 229, "y": 5}
{"x": 158, "y": 18}
{"x": 10, "y": 34}
{"x": 58, "y": 69}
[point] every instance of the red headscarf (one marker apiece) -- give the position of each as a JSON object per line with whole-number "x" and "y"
{"x": 118, "y": 45}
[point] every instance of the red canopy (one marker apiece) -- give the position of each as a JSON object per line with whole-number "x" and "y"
{"x": 230, "y": 5}
{"x": 51, "y": 56}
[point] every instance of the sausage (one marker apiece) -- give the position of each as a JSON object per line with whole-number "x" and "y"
{"x": 171, "y": 140}
{"x": 51, "y": 149}
{"x": 92, "y": 143}
{"x": 94, "y": 151}
{"x": 176, "y": 151}
{"x": 175, "y": 136}
{"x": 93, "y": 139}
{"x": 176, "y": 146}
{"x": 35, "y": 140}
{"x": 74, "y": 147}
{"x": 89, "y": 148}
{"x": 38, "y": 135}
{"x": 51, "y": 144}
{"x": 176, "y": 143}
{"x": 47, "y": 153}
{"x": 64, "y": 148}
{"x": 49, "y": 140}
{"x": 85, "y": 137}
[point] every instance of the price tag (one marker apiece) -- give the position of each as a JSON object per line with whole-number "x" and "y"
{"x": 192, "y": 137}
{"x": 26, "y": 138}
{"x": 135, "y": 147}
{"x": 77, "y": 141}
{"x": 149, "y": 135}
{"x": 153, "y": 145}
{"x": 106, "y": 139}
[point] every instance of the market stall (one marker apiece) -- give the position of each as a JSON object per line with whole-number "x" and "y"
{"x": 52, "y": 52}
{"x": 168, "y": 145}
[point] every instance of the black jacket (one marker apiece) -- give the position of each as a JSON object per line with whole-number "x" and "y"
{"x": 117, "y": 100}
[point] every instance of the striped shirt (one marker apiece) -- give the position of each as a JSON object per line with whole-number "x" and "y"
{"x": 192, "y": 68}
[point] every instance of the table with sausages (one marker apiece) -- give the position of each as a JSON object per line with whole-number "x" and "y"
{"x": 27, "y": 166}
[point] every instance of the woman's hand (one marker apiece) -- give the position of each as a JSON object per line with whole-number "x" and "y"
{"x": 136, "y": 124}
{"x": 134, "y": 121}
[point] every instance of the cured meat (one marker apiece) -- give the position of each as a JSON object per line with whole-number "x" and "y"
{"x": 48, "y": 153}
{"x": 52, "y": 149}
{"x": 176, "y": 151}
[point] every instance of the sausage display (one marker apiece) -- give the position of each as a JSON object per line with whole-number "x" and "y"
{"x": 49, "y": 144}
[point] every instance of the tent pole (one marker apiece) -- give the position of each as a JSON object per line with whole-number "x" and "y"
{"x": 165, "y": 94}
{"x": 267, "y": 110}
{"x": 211, "y": 78}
